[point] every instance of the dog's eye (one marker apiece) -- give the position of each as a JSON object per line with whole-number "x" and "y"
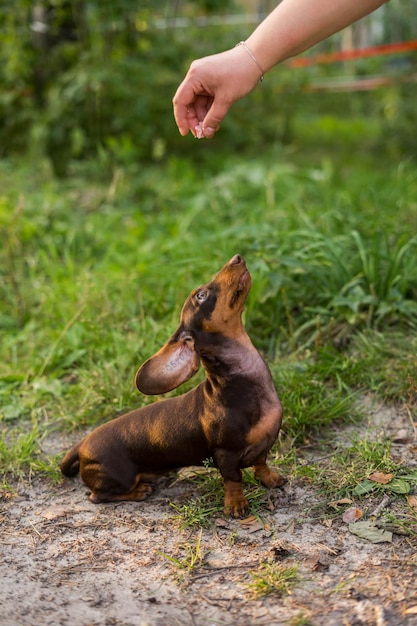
{"x": 201, "y": 296}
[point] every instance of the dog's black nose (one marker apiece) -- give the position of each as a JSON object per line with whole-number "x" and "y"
{"x": 236, "y": 260}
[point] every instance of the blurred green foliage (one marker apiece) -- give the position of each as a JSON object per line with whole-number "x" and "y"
{"x": 96, "y": 79}
{"x": 93, "y": 275}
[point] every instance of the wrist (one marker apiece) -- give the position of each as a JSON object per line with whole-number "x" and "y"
{"x": 244, "y": 72}
{"x": 267, "y": 55}
{"x": 253, "y": 57}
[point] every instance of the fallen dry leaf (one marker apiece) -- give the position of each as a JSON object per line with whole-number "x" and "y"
{"x": 336, "y": 503}
{"x": 248, "y": 521}
{"x": 282, "y": 549}
{"x": 412, "y": 501}
{"x": 220, "y": 523}
{"x": 402, "y": 437}
{"x": 318, "y": 561}
{"x": 351, "y": 515}
{"x": 254, "y": 527}
{"x": 412, "y": 610}
{"x": 251, "y": 524}
{"x": 368, "y": 531}
{"x": 380, "y": 477}
{"x": 54, "y": 512}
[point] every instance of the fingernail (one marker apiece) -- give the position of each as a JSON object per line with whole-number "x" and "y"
{"x": 209, "y": 131}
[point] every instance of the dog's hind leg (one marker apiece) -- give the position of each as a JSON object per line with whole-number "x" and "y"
{"x": 140, "y": 490}
{"x": 269, "y": 478}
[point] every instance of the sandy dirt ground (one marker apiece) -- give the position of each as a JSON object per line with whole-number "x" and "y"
{"x": 65, "y": 561}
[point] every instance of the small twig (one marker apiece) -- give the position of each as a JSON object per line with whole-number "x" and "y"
{"x": 214, "y": 601}
{"x": 381, "y": 506}
{"x": 326, "y": 456}
{"x": 412, "y": 422}
{"x": 219, "y": 570}
{"x": 82, "y": 567}
{"x": 322, "y": 546}
{"x": 36, "y": 530}
{"x": 192, "y": 618}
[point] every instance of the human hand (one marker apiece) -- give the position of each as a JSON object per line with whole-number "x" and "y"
{"x": 210, "y": 87}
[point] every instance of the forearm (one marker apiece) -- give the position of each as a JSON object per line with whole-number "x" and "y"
{"x": 214, "y": 83}
{"x": 296, "y": 25}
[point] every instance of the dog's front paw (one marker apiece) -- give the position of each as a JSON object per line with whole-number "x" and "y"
{"x": 235, "y": 503}
{"x": 239, "y": 508}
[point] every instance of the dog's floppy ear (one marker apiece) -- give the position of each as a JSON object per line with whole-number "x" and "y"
{"x": 171, "y": 366}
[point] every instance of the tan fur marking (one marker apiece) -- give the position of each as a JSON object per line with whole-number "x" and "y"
{"x": 268, "y": 425}
{"x": 235, "y": 502}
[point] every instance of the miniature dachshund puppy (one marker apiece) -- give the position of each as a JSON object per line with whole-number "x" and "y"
{"x": 233, "y": 416}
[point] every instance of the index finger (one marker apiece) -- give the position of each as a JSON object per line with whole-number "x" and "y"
{"x": 185, "y": 113}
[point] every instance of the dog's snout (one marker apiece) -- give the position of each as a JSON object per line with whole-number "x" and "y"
{"x": 236, "y": 260}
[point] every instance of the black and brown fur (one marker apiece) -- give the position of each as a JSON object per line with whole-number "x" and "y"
{"x": 233, "y": 416}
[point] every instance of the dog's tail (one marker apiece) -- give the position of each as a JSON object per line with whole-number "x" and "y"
{"x": 70, "y": 464}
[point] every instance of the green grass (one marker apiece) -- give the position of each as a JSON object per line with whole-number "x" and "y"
{"x": 200, "y": 510}
{"x": 93, "y": 274}
{"x": 192, "y": 558}
{"x": 272, "y": 579}
{"x": 347, "y": 468}
{"x": 21, "y": 456}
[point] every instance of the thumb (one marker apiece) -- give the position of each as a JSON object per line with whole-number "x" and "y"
{"x": 214, "y": 117}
